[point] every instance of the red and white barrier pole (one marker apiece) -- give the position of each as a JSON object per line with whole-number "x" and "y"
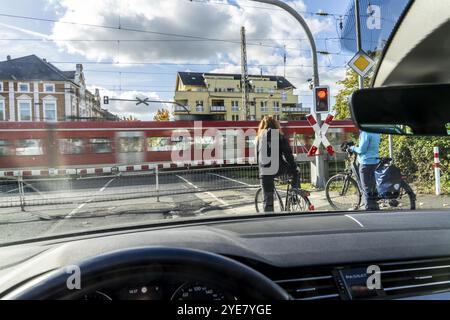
{"x": 437, "y": 173}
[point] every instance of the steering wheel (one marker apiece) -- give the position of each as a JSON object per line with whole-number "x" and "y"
{"x": 102, "y": 270}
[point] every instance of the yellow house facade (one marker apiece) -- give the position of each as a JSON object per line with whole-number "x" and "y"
{"x": 217, "y": 96}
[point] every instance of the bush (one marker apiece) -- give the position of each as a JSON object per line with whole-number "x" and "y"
{"x": 414, "y": 156}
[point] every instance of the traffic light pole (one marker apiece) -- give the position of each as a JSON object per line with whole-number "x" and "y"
{"x": 319, "y": 165}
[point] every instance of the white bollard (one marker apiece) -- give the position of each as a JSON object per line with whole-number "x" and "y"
{"x": 437, "y": 173}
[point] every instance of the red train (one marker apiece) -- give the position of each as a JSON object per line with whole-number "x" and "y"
{"x": 38, "y": 145}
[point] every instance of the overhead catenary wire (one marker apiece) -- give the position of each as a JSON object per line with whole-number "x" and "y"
{"x": 186, "y": 64}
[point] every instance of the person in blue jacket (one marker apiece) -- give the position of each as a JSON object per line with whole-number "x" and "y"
{"x": 368, "y": 158}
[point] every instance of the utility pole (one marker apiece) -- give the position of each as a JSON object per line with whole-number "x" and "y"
{"x": 244, "y": 76}
{"x": 319, "y": 163}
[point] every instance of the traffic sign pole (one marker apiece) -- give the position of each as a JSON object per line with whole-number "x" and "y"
{"x": 361, "y": 76}
{"x": 358, "y": 40}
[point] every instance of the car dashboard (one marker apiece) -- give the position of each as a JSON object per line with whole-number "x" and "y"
{"x": 335, "y": 256}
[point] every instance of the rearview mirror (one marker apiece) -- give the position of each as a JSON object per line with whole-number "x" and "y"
{"x": 403, "y": 110}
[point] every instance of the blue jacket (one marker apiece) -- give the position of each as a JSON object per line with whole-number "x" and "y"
{"x": 368, "y": 147}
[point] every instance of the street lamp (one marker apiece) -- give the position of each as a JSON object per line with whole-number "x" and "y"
{"x": 320, "y": 178}
{"x": 305, "y": 27}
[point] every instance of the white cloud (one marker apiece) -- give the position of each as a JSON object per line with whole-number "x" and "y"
{"x": 178, "y": 17}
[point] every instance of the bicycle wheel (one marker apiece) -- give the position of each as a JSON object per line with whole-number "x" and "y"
{"x": 298, "y": 203}
{"x": 342, "y": 193}
{"x": 259, "y": 202}
{"x": 405, "y": 201}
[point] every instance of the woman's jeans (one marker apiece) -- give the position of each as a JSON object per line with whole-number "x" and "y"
{"x": 268, "y": 188}
{"x": 368, "y": 184}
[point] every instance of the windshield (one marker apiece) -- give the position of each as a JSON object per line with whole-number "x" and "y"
{"x": 125, "y": 113}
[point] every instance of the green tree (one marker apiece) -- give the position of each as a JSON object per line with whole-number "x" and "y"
{"x": 350, "y": 85}
{"x": 162, "y": 115}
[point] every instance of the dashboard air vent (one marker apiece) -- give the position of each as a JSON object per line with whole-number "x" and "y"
{"x": 416, "y": 277}
{"x": 310, "y": 287}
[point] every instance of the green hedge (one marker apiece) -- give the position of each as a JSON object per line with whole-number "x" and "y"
{"x": 414, "y": 156}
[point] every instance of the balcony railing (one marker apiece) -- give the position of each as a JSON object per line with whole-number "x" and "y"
{"x": 296, "y": 110}
{"x": 218, "y": 109}
{"x": 181, "y": 109}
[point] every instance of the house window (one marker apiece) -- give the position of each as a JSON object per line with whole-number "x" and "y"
{"x": 1, "y": 86}
{"x": 276, "y": 106}
{"x": 24, "y": 87}
{"x": 2, "y": 110}
{"x": 199, "y": 106}
{"x": 235, "y": 117}
{"x": 230, "y": 89}
{"x": 235, "y": 106}
{"x": 264, "y": 106}
{"x": 24, "y": 110}
{"x": 50, "y": 111}
{"x": 49, "y": 87}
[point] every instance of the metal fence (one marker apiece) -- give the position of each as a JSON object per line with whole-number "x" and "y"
{"x": 22, "y": 191}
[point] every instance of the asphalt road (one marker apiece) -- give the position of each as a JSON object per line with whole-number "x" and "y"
{"x": 64, "y": 206}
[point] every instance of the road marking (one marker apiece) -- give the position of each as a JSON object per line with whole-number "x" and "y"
{"x": 107, "y": 184}
{"x": 188, "y": 182}
{"x": 75, "y": 211}
{"x": 206, "y": 192}
{"x": 355, "y": 220}
{"x": 234, "y": 180}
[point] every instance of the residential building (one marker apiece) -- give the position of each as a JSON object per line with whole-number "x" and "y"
{"x": 32, "y": 89}
{"x": 218, "y": 96}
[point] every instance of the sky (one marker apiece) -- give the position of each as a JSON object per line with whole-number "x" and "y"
{"x": 134, "y": 48}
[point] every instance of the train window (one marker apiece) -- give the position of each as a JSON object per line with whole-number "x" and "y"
{"x": 336, "y": 136}
{"x": 250, "y": 141}
{"x": 182, "y": 143}
{"x": 205, "y": 142}
{"x": 303, "y": 141}
{"x": 130, "y": 144}
{"x": 100, "y": 145}
{"x": 5, "y": 148}
{"x": 29, "y": 147}
{"x": 71, "y": 146}
{"x": 168, "y": 143}
{"x": 159, "y": 144}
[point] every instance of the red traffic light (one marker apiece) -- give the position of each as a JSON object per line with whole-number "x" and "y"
{"x": 322, "y": 94}
{"x": 322, "y": 99}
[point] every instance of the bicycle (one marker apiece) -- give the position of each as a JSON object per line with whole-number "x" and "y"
{"x": 293, "y": 202}
{"x": 344, "y": 192}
